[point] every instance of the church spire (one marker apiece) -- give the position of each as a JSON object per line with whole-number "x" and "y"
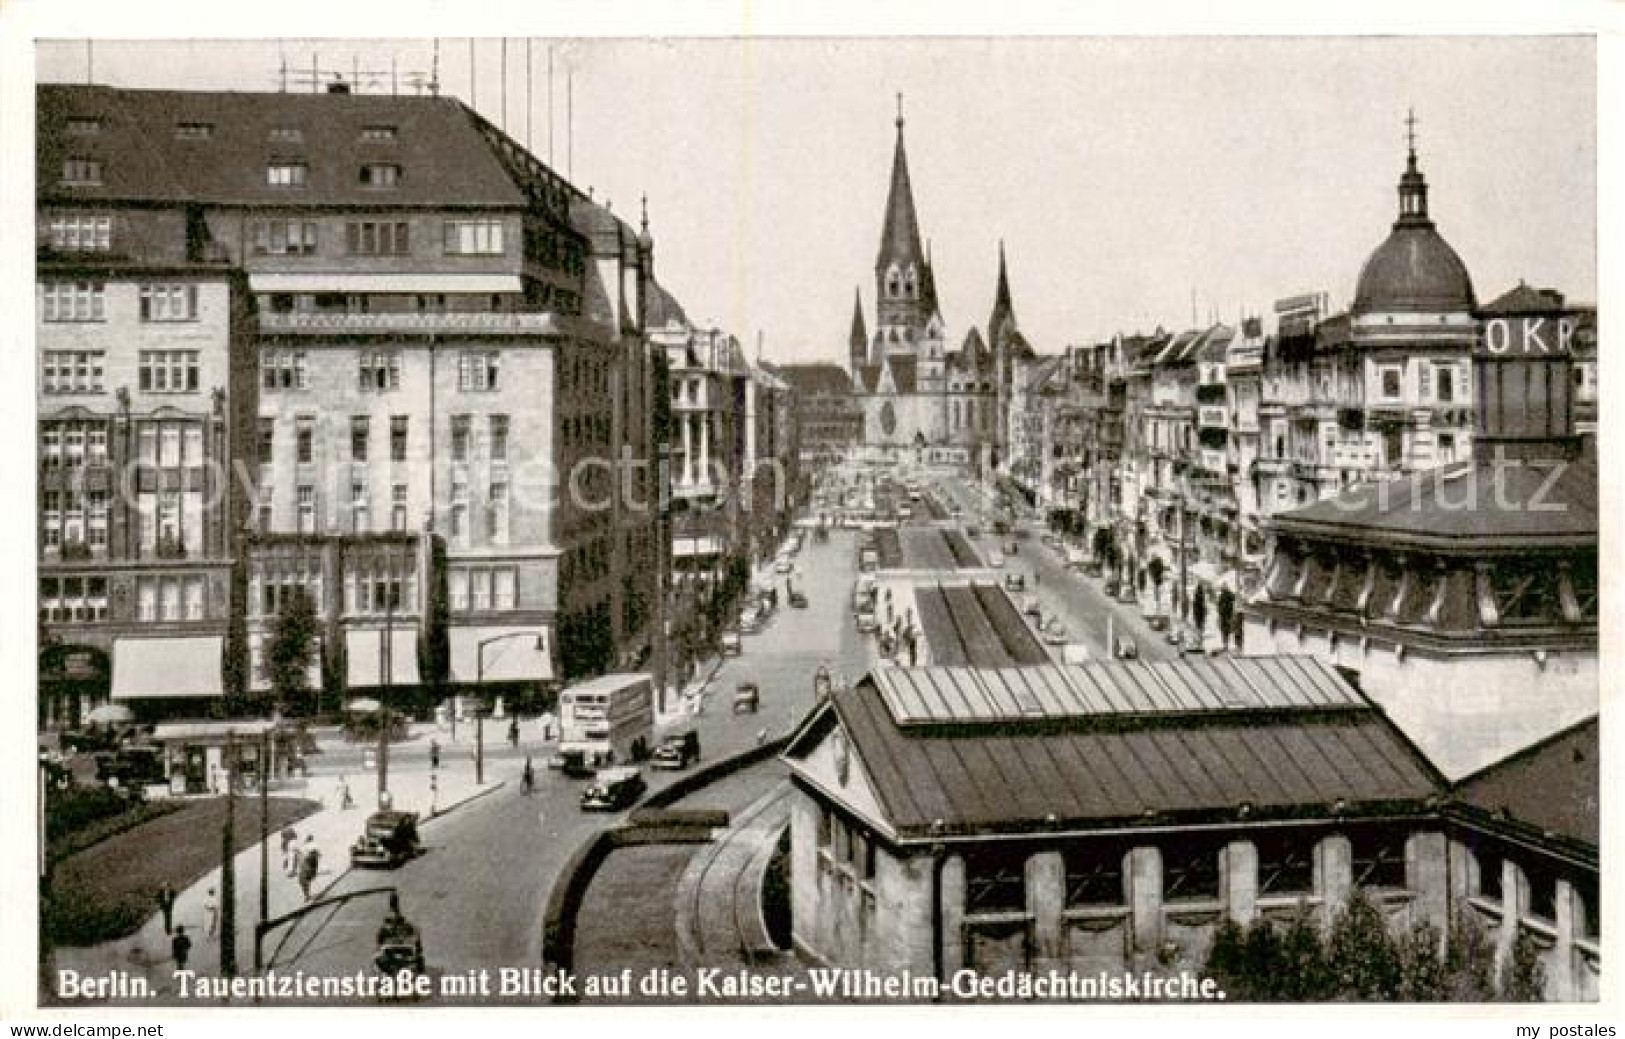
{"x": 1003, "y": 319}
{"x": 900, "y": 238}
{"x": 858, "y": 342}
{"x": 1413, "y": 188}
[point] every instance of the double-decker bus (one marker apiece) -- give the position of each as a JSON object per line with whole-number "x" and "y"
{"x": 607, "y": 719}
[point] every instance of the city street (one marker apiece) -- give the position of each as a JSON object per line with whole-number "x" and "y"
{"x": 478, "y": 890}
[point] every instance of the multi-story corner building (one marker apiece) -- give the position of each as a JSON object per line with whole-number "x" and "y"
{"x": 1243, "y": 381}
{"x": 146, "y": 400}
{"x": 448, "y": 339}
{"x": 829, "y": 422}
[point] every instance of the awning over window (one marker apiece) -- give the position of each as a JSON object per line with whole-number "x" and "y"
{"x": 364, "y": 659}
{"x": 432, "y": 283}
{"x": 166, "y": 667}
{"x": 519, "y": 654}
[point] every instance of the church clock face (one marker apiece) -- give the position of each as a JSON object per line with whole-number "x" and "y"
{"x": 888, "y": 418}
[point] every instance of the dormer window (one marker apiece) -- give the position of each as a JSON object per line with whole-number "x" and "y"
{"x": 81, "y": 171}
{"x": 380, "y": 175}
{"x": 84, "y": 126}
{"x": 194, "y": 131}
{"x": 378, "y": 132}
{"x": 286, "y": 174}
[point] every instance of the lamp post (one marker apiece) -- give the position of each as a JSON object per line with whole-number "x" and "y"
{"x": 479, "y": 681}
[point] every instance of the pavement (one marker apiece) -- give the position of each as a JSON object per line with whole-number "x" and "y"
{"x": 330, "y": 831}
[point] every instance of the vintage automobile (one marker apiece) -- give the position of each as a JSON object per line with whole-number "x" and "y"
{"x": 389, "y": 839}
{"x": 995, "y": 559}
{"x": 728, "y": 642}
{"x": 798, "y": 600}
{"x": 1127, "y": 649}
{"x": 613, "y": 790}
{"x": 747, "y": 697}
{"x": 572, "y": 763}
{"x": 1015, "y": 582}
{"x": 130, "y": 767}
{"x": 1054, "y": 632}
{"x": 677, "y": 750}
{"x": 1031, "y": 607}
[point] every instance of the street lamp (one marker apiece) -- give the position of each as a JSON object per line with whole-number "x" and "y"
{"x": 479, "y": 681}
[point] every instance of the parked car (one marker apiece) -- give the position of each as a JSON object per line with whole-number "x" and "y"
{"x": 1032, "y": 607}
{"x": 1157, "y": 622}
{"x": 728, "y": 642}
{"x": 1110, "y": 588}
{"x": 747, "y": 697}
{"x": 995, "y": 558}
{"x": 751, "y": 621}
{"x": 613, "y": 789}
{"x": 867, "y": 621}
{"x": 1015, "y": 582}
{"x": 1126, "y": 648}
{"x": 388, "y": 839}
{"x": 798, "y": 600}
{"x": 677, "y": 750}
{"x": 1054, "y": 633}
{"x": 131, "y": 767}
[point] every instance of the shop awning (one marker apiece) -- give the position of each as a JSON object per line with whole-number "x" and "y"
{"x": 212, "y": 732}
{"x": 312, "y": 281}
{"x": 364, "y": 660}
{"x": 152, "y": 668}
{"x": 512, "y": 654}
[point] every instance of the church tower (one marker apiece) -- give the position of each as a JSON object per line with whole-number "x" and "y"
{"x": 903, "y": 308}
{"x": 858, "y": 342}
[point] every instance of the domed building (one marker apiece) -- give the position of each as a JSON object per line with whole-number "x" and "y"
{"x": 1412, "y": 328}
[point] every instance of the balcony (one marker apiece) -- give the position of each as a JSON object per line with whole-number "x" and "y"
{"x": 529, "y": 322}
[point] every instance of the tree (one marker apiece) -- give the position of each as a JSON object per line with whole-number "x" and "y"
{"x": 289, "y": 650}
{"x": 1523, "y": 976}
{"x": 1227, "y": 614}
{"x": 1199, "y": 609}
{"x": 1423, "y": 976}
{"x": 1304, "y": 975}
{"x": 1364, "y": 961}
{"x": 434, "y": 649}
{"x": 1157, "y": 570}
{"x": 1469, "y": 961}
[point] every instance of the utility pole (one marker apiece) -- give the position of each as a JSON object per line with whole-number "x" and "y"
{"x": 265, "y": 838}
{"x": 228, "y": 870}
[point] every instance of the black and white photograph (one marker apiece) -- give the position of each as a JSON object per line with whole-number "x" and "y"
{"x": 544, "y": 521}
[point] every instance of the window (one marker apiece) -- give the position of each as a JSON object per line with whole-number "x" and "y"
{"x": 286, "y": 174}
{"x": 286, "y": 133}
{"x": 504, "y": 592}
{"x": 167, "y": 371}
{"x": 81, "y": 232}
{"x": 360, "y": 507}
{"x": 1447, "y": 447}
{"x": 457, "y": 590}
{"x": 499, "y": 438}
{"x": 1489, "y": 872}
{"x": 284, "y": 237}
{"x": 192, "y": 445}
{"x": 74, "y": 300}
{"x": 380, "y": 175}
{"x": 379, "y": 371}
{"x": 378, "y": 132}
{"x": 496, "y": 520}
{"x": 194, "y": 131}
{"x": 76, "y": 171}
{"x": 477, "y": 370}
{"x": 459, "y": 524}
{"x": 1542, "y": 890}
{"x": 995, "y": 879}
{"x": 1286, "y": 864}
{"x": 96, "y": 446}
{"x": 473, "y": 237}
{"x": 360, "y": 433}
{"x": 263, "y": 513}
{"x": 168, "y": 303}
{"x": 83, "y": 126}
{"x": 147, "y": 445}
{"x": 479, "y": 590}
{"x": 1390, "y": 386}
{"x": 304, "y": 437}
{"x": 283, "y": 370}
{"x": 307, "y": 509}
{"x": 1094, "y": 874}
{"x": 1446, "y": 377}
{"x": 72, "y": 371}
{"x": 377, "y": 238}
{"x": 397, "y": 438}
{"x": 267, "y": 440}
{"x": 1378, "y": 858}
{"x": 397, "y": 507}
{"x": 1190, "y": 870}
{"x": 459, "y": 438}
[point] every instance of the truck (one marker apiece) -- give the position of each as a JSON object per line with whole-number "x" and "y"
{"x": 607, "y": 719}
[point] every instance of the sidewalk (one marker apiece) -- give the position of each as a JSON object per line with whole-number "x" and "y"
{"x": 332, "y": 830}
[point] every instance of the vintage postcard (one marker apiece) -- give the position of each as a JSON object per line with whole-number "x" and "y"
{"x": 528, "y": 520}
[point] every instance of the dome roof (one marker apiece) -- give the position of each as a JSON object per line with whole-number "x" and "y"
{"x": 1415, "y": 269}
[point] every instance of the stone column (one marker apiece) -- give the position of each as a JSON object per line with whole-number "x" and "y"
{"x": 1145, "y": 898}
{"x": 705, "y": 448}
{"x": 1560, "y": 986}
{"x": 1462, "y": 869}
{"x": 1514, "y": 901}
{"x": 688, "y": 450}
{"x": 1334, "y": 875}
{"x": 1427, "y": 874}
{"x": 1046, "y": 901}
{"x": 951, "y": 907}
{"x": 1241, "y": 881}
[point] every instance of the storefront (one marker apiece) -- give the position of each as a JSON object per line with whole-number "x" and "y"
{"x": 199, "y": 757}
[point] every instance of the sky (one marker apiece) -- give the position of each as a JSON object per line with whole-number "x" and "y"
{"x": 1134, "y": 181}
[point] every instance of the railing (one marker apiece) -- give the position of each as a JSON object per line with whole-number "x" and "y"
{"x": 544, "y": 322}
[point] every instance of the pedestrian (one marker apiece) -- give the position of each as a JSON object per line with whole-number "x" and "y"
{"x": 434, "y": 795}
{"x": 211, "y": 914}
{"x": 166, "y": 905}
{"x": 308, "y": 864}
{"x": 434, "y": 754}
{"x": 761, "y": 737}
{"x": 527, "y": 781}
{"x": 513, "y": 733}
{"x": 180, "y": 947}
{"x": 296, "y": 854}
{"x": 289, "y": 835}
{"x": 345, "y": 800}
